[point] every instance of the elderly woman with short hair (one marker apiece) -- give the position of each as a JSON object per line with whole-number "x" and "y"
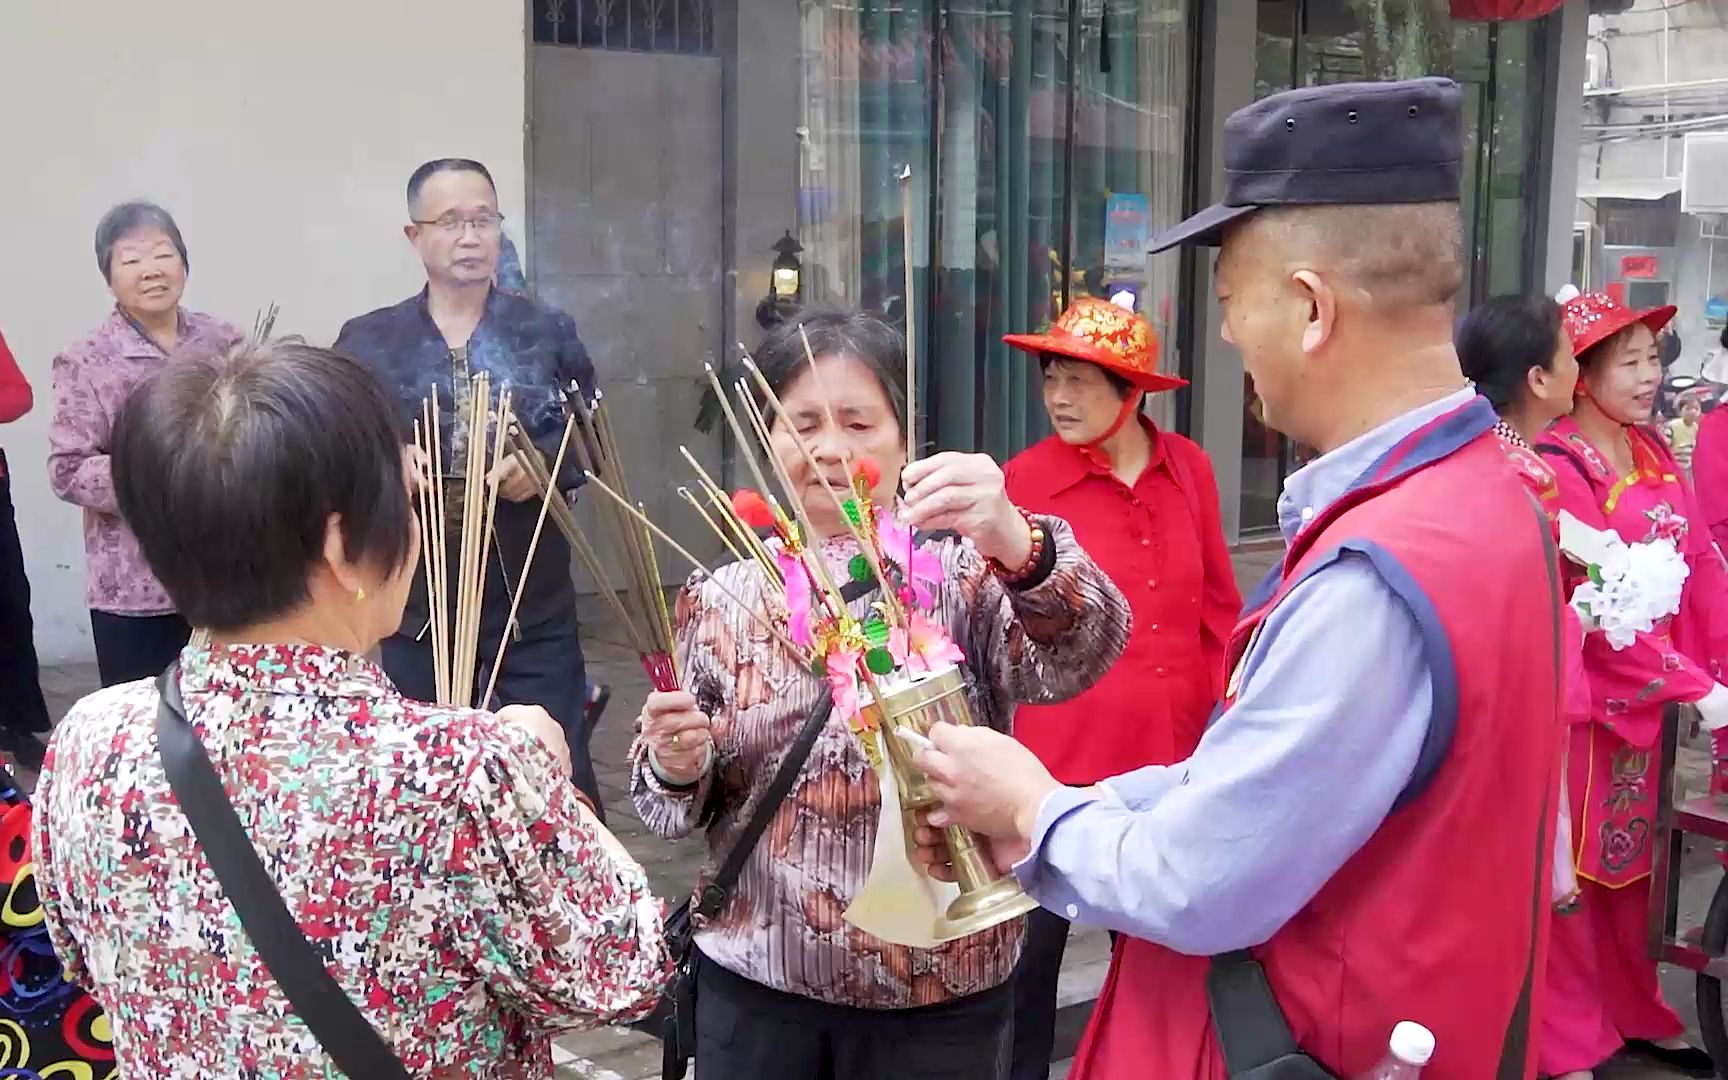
{"x": 435, "y": 857}
{"x": 143, "y": 258}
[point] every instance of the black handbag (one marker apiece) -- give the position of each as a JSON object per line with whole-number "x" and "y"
{"x": 678, "y": 1010}
{"x": 322, "y": 1005}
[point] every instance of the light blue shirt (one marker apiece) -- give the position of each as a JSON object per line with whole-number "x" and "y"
{"x": 1335, "y": 699}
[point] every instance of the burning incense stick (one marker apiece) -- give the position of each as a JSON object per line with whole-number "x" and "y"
{"x": 867, "y": 549}
{"x": 745, "y": 535}
{"x": 813, "y": 560}
{"x": 911, "y": 323}
{"x": 565, "y": 519}
{"x": 744, "y": 450}
{"x": 635, "y": 548}
{"x": 748, "y": 609}
{"x": 862, "y": 532}
{"x": 702, "y": 511}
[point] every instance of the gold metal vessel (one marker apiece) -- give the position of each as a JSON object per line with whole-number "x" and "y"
{"x": 986, "y": 898}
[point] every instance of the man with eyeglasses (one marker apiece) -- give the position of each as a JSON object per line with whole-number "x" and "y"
{"x": 457, "y": 326}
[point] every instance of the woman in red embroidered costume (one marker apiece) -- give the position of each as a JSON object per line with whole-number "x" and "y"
{"x": 1516, "y": 351}
{"x": 1615, "y": 474}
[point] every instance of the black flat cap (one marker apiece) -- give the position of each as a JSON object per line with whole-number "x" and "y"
{"x": 1356, "y": 144}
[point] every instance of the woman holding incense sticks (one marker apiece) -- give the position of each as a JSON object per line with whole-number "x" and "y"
{"x": 786, "y": 987}
{"x": 435, "y": 857}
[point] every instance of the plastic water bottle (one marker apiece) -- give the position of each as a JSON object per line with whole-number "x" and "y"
{"x": 1409, "y": 1049}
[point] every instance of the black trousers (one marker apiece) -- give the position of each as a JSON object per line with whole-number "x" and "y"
{"x": 1035, "y": 979}
{"x": 545, "y": 668}
{"x": 747, "y": 1031}
{"x": 132, "y": 647}
{"x": 21, "y": 705}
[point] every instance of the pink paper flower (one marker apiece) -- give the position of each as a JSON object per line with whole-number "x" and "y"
{"x": 843, "y": 681}
{"x": 923, "y": 569}
{"x": 797, "y": 596}
{"x": 924, "y": 646}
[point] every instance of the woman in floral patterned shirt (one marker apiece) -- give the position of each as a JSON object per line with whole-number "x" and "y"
{"x": 786, "y": 988}
{"x": 143, "y": 258}
{"x": 437, "y": 857}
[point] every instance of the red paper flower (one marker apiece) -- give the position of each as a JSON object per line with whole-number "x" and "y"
{"x": 752, "y": 509}
{"x": 866, "y": 475}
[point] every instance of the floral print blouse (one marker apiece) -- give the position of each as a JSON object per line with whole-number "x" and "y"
{"x": 93, "y": 378}
{"x": 435, "y": 856}
{"x": 783, "y": 926}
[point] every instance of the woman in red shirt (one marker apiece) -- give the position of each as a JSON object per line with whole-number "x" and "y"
{"x": 1144, "y": 503}
{"x": 24, "y": 712}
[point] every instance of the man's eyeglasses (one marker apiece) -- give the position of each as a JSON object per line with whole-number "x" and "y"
{"x": 454, "y": 223}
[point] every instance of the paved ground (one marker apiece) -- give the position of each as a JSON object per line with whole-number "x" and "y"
{"x": 617, "y": 1054}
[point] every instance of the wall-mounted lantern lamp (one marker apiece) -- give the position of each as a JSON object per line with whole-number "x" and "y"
{"x": 786, "y": 284}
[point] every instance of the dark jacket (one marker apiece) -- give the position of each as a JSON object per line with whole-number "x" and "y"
{"x": 535, "y": 350}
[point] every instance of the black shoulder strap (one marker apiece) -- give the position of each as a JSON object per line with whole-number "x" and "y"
{"x": 336, "y": 1022}
{"x": 715, "y": 894}
{"x": 1251, "y": 1028}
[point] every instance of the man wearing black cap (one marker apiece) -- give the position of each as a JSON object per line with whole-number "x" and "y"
{"x": 1359, "y": 838}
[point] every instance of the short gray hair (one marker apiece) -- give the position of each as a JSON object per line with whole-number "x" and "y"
{"x": 127, "y": 217}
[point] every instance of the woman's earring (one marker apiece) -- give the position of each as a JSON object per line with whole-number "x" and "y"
{"x": 360, "y": 595}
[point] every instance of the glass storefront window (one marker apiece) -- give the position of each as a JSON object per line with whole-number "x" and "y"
{"x": 1014, "y": 205}
{"x": 1499, "y": 66}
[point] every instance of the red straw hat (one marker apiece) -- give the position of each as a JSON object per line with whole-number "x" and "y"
{"x": 1099, "y": 332}
{"x": 1594, "y": 317}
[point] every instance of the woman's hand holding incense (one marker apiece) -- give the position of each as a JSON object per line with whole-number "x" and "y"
{"x": 966, "y": 493}
{"x": 540, "y": 724}
{"x": 680, "y": 737}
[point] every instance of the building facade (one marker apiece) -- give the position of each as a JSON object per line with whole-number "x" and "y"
{"x": 1652, "y": 212}
{"x": 677, "y": 173}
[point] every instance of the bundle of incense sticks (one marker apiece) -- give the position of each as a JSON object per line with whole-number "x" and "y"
{"x": 641, "y": 607}
{"x": 455, "y": 634}
{"x": 791, "y": 566}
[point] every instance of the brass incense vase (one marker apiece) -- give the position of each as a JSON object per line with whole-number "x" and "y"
{"x": 986, "y": 898}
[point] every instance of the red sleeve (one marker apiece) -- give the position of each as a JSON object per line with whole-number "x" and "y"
{"x": 15, "y": 396}
{"x": 1710, "y": 473}
{"x": 1220, "y": 600}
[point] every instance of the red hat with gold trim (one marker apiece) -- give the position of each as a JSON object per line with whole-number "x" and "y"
{"x": 1103, "y": 333}
{"x": 1594, "y": 317}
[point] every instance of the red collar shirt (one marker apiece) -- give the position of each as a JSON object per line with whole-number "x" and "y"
{"x": 1162, "y": 541}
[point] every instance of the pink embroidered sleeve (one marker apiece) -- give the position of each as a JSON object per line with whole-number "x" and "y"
{"x": 78, "y": 462}
{"x": 1710, "y": 473}
{"x": 1650, "y": 670}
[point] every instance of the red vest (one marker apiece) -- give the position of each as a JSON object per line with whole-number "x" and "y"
{"x": 1441, "y": 916}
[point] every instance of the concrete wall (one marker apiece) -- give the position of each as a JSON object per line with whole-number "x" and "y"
{"x": 280, "y": 136}
{"x": 626, "y": 236}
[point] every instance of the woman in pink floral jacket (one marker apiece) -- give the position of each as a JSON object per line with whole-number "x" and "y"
{"x": 141, "y": 254}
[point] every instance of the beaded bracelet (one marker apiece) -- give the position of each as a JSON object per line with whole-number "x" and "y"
{"x": 1034, "y": 558}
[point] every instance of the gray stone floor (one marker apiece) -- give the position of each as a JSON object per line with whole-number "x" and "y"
{"x": 619, "y": 1054}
